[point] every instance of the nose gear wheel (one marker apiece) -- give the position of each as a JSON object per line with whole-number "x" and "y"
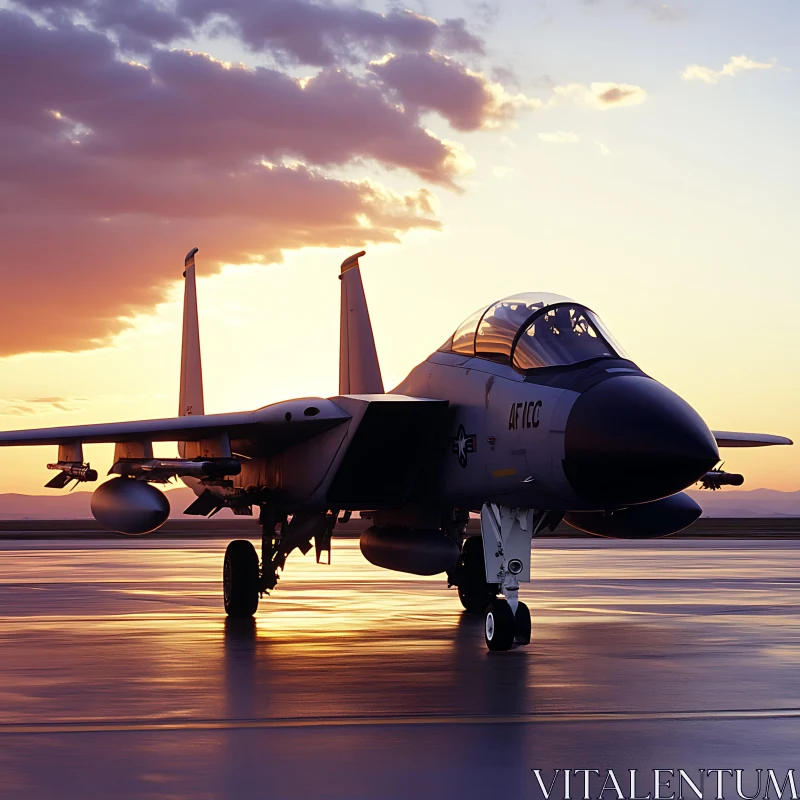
{"x": 499, "y": 625}
{"x": 522, "y": 625}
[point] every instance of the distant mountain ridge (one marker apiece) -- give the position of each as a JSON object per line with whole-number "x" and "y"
{"x": 75, "y": 505}
{"x": 723, "y": 503}
{"x": 747, "y": 502}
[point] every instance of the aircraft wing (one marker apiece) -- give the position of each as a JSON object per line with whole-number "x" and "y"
{"x": 281, "y": 424}
{"x": 734, "y": 439}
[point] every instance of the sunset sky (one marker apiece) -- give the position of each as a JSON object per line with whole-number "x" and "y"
{"x": 638, "y": 156}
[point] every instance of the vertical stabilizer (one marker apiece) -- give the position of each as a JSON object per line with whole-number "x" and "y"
{"x": 191, "y": 396}
{"x": 359, "y": 371}
{"x": 191, "y": 393}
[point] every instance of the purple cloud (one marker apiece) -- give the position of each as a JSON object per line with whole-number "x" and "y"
{"x": 303, "y": 31}
{"x": 109, "y": 168}
{"x": 433, "y": 82}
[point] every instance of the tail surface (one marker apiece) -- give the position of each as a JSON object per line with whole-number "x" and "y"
{"x": 191, "y": 395}
{"x": 191, "y": 392}
{"x": 359, "y": 370}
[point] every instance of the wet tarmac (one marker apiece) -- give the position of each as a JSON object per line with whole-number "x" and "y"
{"x": 120, "y": 676}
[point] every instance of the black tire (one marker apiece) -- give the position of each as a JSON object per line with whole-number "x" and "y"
{"x": 240, "y": 579}
{"x": 499, "y": 625}
{"x": 522, "y": 624}
{"x": 475, "y": 598}
{"x": 473, "y": 591}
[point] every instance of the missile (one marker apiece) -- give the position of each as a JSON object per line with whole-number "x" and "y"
{"x": 179, "y": 467}
{"x": 70, "y": 471}
{"x": 716, "y": 478}
{"x": 212, "y": 468}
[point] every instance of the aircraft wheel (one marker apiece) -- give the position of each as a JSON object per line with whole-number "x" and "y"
{"x": 499, "y": 625}
{"x": 240, "y": 579}
{"x": 473, "y": 591}
{"x": 475, "y": 598}
{"x": 522, "y": 624}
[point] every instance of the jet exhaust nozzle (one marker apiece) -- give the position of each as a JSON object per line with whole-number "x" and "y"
{"x": 419, "y": 552}
{"x": 129, "y": 506}
{"x": 647, "y": 521}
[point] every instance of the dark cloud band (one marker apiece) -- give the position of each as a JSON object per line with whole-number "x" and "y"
{"x": 108, "y": 167}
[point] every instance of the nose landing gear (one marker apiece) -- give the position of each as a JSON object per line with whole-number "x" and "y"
{"x": 499, "y": 625}
{"x": 506, "y": 535}
{"x": 504, "y": 628}
{"x": 522, "y": 624}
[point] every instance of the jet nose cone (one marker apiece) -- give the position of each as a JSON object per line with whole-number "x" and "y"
{"x": 631, "y": 440}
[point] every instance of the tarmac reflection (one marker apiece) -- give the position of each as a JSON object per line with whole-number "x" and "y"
{"x": 120, "y": 672}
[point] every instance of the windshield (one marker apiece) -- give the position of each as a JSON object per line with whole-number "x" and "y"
{"x": 500, "y": 325}
{"x": 534, "y": 330}
{"x": 563, "y": 334}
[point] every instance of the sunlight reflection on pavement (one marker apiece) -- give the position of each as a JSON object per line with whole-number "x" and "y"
{"x": 120, "y": 673}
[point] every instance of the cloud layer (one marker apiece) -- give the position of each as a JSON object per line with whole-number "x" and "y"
{"x": 559, "y": 137}
{"x": 600, "y": 95}
{"x": 16, "y": 407}
{"x": 300, "y": 31}
{"x": 695, "y": 72}
{"x": 433, "y": 82}
{"x": 121, "y": 147}
{"x": 110, "y": 169}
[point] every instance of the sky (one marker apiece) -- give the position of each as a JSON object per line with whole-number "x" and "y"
{"x": 637, "y": 156}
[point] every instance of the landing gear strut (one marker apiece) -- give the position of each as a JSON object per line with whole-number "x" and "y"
{"x": 506, "y": 539}
{"x": 279, "y": 536}
{"x": 244, "y": 580}
{"x": 272, "y": 558}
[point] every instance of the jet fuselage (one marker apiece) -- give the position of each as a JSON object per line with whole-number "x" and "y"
{"x": 589, "y": 436}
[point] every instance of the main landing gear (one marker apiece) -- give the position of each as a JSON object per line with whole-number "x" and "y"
{"x": 240, "y": 579}
{"x": 245, "y": 580}
{"x": 469, "y": 577}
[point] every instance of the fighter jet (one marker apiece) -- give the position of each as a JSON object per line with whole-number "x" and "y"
{"x": 529, "y": 414}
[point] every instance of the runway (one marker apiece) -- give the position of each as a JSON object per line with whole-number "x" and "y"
{"x": 120, "y": 676}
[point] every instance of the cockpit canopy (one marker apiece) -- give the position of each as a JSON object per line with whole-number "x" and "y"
{"x": 534, "y": 330}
